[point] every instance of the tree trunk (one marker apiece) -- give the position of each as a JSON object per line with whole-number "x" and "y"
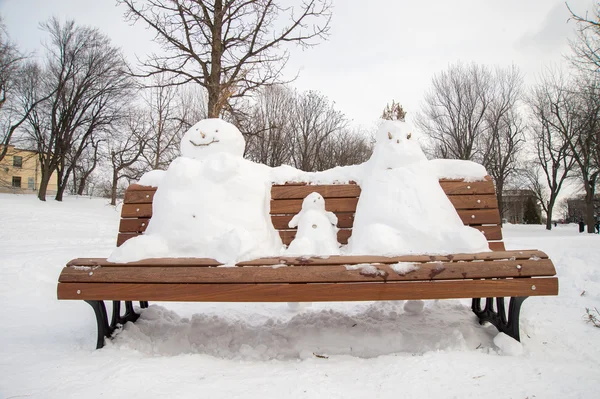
{"x": 499, "y": 194}
{"x": 549, "y": 214}
{"x": 62, "y": 186}
{"x": 589, "y": 210}
{"x": 45, "y": 179}
{"x": 81, "y": 186}
{"x": 215, "y": 97}
{"x": 113, "y": 191}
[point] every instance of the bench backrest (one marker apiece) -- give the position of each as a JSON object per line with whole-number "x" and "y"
{"x": 475, "y": 203}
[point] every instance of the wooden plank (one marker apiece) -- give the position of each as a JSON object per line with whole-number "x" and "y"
{"x": 138, "y": 187}
{"x": 327, "y": 191}
{"x": 139, "y": 196}
{"x": 280, "y": 222}
{"x": 369, "y": 291}
{"x": 497, "y": 246}
{"x": 490, "y": 232}
{"x": 331, "y": 204}
{"x": 473, "y": 201}
{"x": 530, "y": 254}
{"x": 122, "y": 237}
{"x": 288, "y": 235}
{"x": 479, "y": 216}
{"x": 133, "y": 225}
{"x": 103, "y": 262}
{"x": 136, "y": 211}
{"x": 467, "y": 188}
{"x": 357, "y": 259}
{"x": 306, "y": 274}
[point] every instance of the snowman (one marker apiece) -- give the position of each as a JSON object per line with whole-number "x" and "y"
{"x": 402, "y": 209}
{"x": 211, "y": 203}
{"x": 317, "y": 231}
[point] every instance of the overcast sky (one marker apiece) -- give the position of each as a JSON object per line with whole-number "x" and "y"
{"x": 377, "y": 50}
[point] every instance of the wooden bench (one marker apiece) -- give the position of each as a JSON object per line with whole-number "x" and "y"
{"x": 491, "y": 275}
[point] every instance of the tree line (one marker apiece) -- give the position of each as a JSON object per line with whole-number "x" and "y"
{"x": 536, "y": 137}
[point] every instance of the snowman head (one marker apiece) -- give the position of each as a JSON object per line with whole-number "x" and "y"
{"x": 212, "y": 136}
{"x": 313, "y": 201}
{"x": 396, "y": 145}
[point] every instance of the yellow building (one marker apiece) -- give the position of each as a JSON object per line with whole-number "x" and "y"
{"x": 20, "y": 172}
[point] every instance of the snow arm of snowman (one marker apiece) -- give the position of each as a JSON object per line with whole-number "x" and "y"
{"x": 332, "y": 218}
{"x": 294, "y": 222}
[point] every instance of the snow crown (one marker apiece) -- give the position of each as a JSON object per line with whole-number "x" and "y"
{"x": 313, "y": 201}
{"x": 212, "y": 136}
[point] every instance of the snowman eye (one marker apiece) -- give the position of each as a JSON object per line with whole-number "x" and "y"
{"x": 409, "y": 136}
{"x": 390, "y": 135}
{"x": 398, "y": 141}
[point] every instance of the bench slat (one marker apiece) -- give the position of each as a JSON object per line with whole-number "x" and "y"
{"x": 496, "y": 246}
{"x": 331, "y": 260}
{"x": 288, "y": 235}
{"x": 136, "y": 211}
{"x": 133, "y": 225}
{"x": 293, "y": 206}
{"x": 467, "y": 188}
{"x": 370, "y": 291}
{"x": 280, "y": 222}
{"x": 306, "y": 274}
{"x": 479, "y": 216}
{"x": 139, "y": 196}
{"x": 326, "y": 190}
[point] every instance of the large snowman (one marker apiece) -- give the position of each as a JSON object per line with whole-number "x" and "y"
{"x": 402, "y": 208}
{"x": 317, "y": 231}
{"x": 211, "y": 203}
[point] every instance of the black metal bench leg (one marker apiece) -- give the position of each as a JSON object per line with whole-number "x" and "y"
{"x": 104, "y": 329}
{"x": 506, "y": 322}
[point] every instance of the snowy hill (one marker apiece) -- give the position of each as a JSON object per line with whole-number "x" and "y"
{"x": 190, "y": 350}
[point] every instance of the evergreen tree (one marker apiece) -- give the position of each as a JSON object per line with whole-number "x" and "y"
{"x": 531, "y": 216}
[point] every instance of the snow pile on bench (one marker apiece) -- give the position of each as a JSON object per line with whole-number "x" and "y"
{"x": 213, "y": 203}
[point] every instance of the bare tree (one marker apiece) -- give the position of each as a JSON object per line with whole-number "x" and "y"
{"x": 87, "y": 78}
{"x": 504, "y": 135}
{"x": 313, "y": 121}
{"x": 165, "y": 114}
{"x": 85, "y": 165}
{"x": 455, "y": 109}
{"x": 342, "y": 148}
{"x": 586, "y": 47}
{"x": 125, "y": 148}
{"x": 553, "y": 120}
{"x": 228, "y": 47}
{"x": 584, "y": 140}
{"x": 269, "y": 122}
{"x": 19, "y": 94}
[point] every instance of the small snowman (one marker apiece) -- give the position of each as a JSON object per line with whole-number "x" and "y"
{"x": 317, "y": 231}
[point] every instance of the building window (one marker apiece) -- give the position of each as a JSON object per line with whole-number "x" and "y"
{"x": 17, "y": 161}
{"x": 30, "y": 183}
{"x": 16, "y": 181}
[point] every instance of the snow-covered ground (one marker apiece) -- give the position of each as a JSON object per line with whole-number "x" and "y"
{"x": 196, "y": 350}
